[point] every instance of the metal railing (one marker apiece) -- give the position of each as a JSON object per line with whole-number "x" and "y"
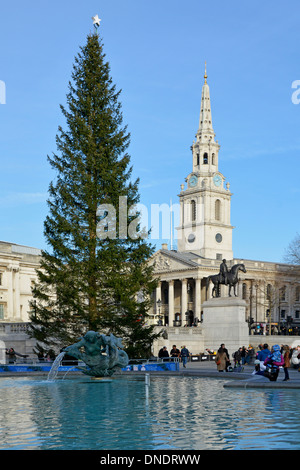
{"x": 153, "y": 360}
{"x": 34, "y": 360}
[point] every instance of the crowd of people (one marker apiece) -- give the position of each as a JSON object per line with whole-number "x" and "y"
{"x": 182, "y": 355}
{"x": 283, "y": 329}
{"x": 267, "y": 361}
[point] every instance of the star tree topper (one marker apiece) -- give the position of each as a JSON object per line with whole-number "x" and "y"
{"x": 96, "y": 21}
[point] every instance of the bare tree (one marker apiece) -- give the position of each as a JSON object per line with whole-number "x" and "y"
{"x": 292, "y": 255}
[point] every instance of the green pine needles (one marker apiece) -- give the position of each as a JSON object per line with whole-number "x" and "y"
{"x": 86, "y": 282}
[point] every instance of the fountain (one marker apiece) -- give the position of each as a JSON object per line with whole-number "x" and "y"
{"x": 135, "y": 415}
{"x": 102, "y": 354}
{"x": 55, "y": 366}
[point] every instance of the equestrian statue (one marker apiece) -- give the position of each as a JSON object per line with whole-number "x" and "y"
{"x": 226, "y": 277}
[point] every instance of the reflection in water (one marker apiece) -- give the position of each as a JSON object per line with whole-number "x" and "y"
{"x": 172, "y": 413}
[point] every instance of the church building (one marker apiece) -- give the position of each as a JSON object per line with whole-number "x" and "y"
{"x": 271, "y": 290}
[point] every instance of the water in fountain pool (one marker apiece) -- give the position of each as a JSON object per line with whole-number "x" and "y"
{"x": 185, "y": 413}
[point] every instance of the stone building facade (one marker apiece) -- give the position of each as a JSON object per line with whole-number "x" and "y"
{"x": 18, "y": 266}
{"x": 271, "y": 290}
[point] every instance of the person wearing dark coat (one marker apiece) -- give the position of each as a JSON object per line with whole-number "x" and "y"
{"x": 163, "y": 352}
{"x": 222, "y": 358}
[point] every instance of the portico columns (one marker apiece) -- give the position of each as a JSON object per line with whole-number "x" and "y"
{"x": 171, "y": 303}
{"x": 157, "y": 297}
{"x": 17, "y": 313}
{"x": 10, "y": 293}
{"x": 197, "y": 312}
{"x": 183, "y": 298}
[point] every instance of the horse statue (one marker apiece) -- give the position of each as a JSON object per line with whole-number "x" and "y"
{"x": 232, "y": 280}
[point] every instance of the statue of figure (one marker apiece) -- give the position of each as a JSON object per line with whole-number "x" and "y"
{"x": 225, "y": 277}
{"x": 224, "y": 272}
{"x": 102, "y": 354}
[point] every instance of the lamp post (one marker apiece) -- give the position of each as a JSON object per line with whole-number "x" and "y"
{"x": 256, "y": 305}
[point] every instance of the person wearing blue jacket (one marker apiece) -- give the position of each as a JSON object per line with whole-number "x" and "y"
{"x": 184, "y": 354}
{"x": 263, "y": 353}
{"x": 274, "y": 360}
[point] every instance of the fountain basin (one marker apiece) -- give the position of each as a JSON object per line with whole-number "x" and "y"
{"x": 22, "y": 368}
{"x": 127, "y": 414}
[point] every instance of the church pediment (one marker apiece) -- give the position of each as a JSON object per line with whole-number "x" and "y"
{"x": 165, "y": 261}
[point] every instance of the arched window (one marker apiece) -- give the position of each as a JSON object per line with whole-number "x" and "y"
{"x": 218, "y": 209}
{"x": 193, "y": 211}
{"x": 282, "y": 293}
{"x": 213, "y": 159}
{"x": 205, "y": 158}
{"x": 269, "y": 292}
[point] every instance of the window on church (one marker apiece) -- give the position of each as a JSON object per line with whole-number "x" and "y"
{"x": 218, "y": 209}
{"x": 269, "y": 292}
{"x": 205, "y": 159}
{"x": 282, "y": 293}
{"x": 1, "y": 312}
{"x": 193, "y": 211}
{"x": 198, "y": 159}
{"x": 213, "y": 159}
{"x": 297, "y": 294}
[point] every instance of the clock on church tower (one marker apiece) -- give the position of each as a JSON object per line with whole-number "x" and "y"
{"x": 205, "y": 226}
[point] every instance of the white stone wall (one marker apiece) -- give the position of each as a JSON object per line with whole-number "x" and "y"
{"x": 18, "y": 272}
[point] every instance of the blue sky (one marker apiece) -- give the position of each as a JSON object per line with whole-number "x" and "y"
{"x": 157, "y": 52}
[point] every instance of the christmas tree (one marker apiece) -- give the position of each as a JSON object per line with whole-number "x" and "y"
{"x": 93, "y": 277}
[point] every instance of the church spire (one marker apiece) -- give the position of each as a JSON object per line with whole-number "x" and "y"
{"x": 205, "y": 149}
{"x": 204, "y": 226}
{"x": 205, "y": 132}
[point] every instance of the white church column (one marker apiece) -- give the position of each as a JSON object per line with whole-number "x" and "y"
{"x": 17, "y": 313}
{"x": 158, "y": 298}
{"x": 171, "y": 303}
{"x": 183, "y": 300}
{"x": 197, "y": 312}
{"x": 10, "y": 294}
{"x": 209, "y": 290}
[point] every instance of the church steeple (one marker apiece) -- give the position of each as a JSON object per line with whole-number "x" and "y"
{"x": 205, "y": 226}
{"x": 205, "y": 130}
{"x": 205, "y": 149}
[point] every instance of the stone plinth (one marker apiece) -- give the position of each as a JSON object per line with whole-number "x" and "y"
{"x": 224, "y": 321}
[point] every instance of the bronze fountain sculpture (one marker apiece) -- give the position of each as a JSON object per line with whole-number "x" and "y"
{"x": 102, "y": 354}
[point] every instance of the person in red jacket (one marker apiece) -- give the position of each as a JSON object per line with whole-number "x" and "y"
{"x": 287, "y": 362}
